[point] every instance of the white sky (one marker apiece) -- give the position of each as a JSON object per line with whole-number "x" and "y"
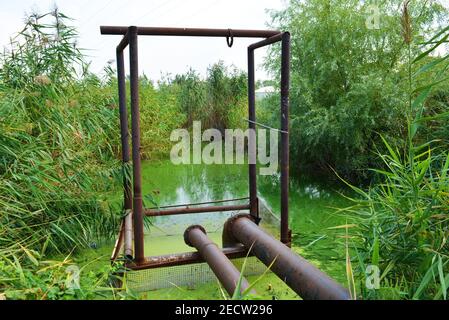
{"x": 157, "y": 54}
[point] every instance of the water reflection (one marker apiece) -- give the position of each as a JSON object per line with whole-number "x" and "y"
{"x": 311, "y": 207}
{"x": 187, "y": 184}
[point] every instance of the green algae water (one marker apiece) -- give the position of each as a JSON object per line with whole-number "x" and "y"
{"x": 313, "y": 220}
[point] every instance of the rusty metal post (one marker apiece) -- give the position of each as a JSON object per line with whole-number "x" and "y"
{"x": 124, "y": 131}
{"x": 135, "y": 116}
{"x": 285, "y": 84}
{"x": 252, "y": 155}
{"x": 300, "y": 275}
{"x": 124, "y": 134}
{"x": 195, "y": 236}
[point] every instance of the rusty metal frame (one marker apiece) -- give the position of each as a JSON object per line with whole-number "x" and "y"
{"x": 134, "y": 212}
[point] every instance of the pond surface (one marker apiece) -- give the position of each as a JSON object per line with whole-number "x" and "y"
{"x": 313, "y": 208}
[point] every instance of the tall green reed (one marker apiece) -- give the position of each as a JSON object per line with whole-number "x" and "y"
{"x": 403, "y": 220}
{"x": 58, "y": 138}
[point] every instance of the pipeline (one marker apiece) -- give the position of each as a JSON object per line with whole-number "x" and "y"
{"x": 195, "y": 236}
{"x": 304, "y": 278}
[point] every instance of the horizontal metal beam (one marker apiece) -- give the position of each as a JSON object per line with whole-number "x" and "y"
{"x": 198, "y": 203}
{"x": 185, "y": 258}
{"x": 187, "y": 210}
{"x": 192, "y": 32}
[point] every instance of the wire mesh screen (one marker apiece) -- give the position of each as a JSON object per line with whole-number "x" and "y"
{"x": 184, "y": 276}
{"x": 165, "y": 235}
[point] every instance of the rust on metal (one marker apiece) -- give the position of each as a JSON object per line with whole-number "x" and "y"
{"x": 132, "y": 229}
{"x": 178, "y": 259}
{"x": 284, "y": 159}
{"x": 265, "y": 42}
{"x": 252, "y": 170}
{"x": 300, "y": 275}
{"x": 124, "y": 131}
{"x": 285, "y": 85}
{"x": 188, "y": 210}
{"x": 123, "y": 43}
{"x": 124, "y": 135}
{"x": 228, "y": 275}
{"x": 137, "y": 173}
{"x": 193, "y": 32}
{"x": 198, "y": 203}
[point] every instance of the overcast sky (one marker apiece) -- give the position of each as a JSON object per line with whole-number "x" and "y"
{"x": 157, "y": 54}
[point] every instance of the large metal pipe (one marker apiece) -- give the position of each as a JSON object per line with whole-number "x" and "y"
{"x": 193, "y": 32}
{"x": 137, "y": 176}
{"x": 195, "y": 236}
{"x": 304, "y": 278}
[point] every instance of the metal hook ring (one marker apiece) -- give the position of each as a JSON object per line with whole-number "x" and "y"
{"x": 230, "y": 38}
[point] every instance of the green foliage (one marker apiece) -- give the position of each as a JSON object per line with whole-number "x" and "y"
{"x": 347, "y": 80}
{"x": 55, "y": 280}
{"x": 219, "y": 101}
{"x": 404, "y": 220}
{"x": 160, "y": 114}
{"x": 56, "y": 156}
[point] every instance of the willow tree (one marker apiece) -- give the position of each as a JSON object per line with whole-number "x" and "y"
{"x": 348, "y": 70}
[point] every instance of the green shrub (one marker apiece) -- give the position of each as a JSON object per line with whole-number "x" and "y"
{"x": 347, "y": 81}
{"x": 403, "y": 220}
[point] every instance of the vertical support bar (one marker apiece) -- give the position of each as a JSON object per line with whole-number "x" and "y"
{"x": 124, "y": 132}
{"x": 285, "y": 84}
{"x": 135, "y": 116}
{"x": 253, "y": 201}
